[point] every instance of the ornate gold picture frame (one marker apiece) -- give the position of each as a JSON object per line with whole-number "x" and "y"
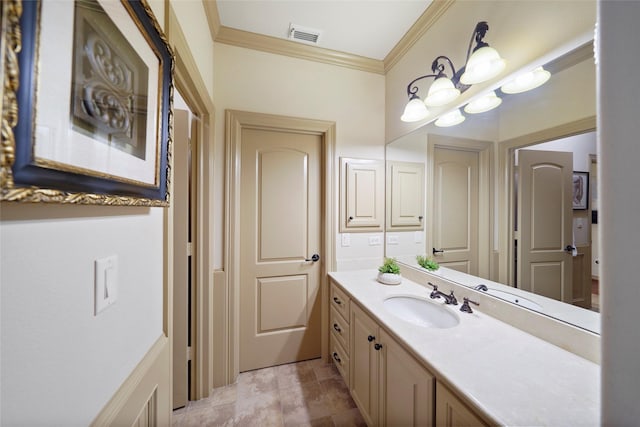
{"x": 86, "y": 103}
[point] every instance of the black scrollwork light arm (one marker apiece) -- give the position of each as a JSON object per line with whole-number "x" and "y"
{"x": 478, "y": 34}
{"x": 412, "y": 90}
{"x": 438, "y": 67}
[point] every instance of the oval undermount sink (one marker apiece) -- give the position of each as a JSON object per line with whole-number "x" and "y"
{"x": 421, "y": 312}
{"x": 513, "y": 298}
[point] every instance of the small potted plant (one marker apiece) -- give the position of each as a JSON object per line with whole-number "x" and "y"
{"x": 389, "y": 272}
{"x": 427, "y": 263}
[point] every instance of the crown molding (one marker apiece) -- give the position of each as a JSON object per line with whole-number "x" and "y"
{"x": 278, "y": 46}
{"x": 213, "y": 17}
{"x": 429, "y": 17}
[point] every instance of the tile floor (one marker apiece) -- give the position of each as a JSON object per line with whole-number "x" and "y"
{"x": 309, "y": 393}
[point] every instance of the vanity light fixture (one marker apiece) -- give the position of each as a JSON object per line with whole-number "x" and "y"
{"x": 452, "y": 118}
{"x": 483, "y": 104}
{"x": 526, "y": 81}
{"x": 482, "y": 64}
{"x": 415, "y": 110}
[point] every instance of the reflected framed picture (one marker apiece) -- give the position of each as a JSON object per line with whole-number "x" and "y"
{"x": 580, "y": 186}
{"x": 87, "y": 103}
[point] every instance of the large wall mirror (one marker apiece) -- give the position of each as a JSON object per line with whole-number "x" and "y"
{"x": 505, "y": 202}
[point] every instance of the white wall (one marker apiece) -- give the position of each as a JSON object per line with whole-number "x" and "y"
{"x": 261, "y": 82}
{"x": 193, "y": 22}
{"x": 619, "y": 194}
{"x": 60, "y": 363}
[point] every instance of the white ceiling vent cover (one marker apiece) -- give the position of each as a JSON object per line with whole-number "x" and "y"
{"x": 304, "y": 34}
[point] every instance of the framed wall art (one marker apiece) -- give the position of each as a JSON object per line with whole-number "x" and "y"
{"x": 87, "y": 103}
{"x": 580, "y": 184}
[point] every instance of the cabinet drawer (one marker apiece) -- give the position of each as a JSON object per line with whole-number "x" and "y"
{"x": 340, "y": 358}
{"x": 339, "y": 328}
{"x": 339, "y": 301}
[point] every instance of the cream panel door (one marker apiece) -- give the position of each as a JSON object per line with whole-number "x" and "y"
{"x": 456, "y": 207}
{"x": 362, "y": 195}
{"x": 405, "y": 198}
{"x": 180, "y": 203}
{"x": 280, "y": 231}
{"x": 545, "y": 213}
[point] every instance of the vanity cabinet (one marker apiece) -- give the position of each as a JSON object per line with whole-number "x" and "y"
{"x": 452, "y": 412}
{"x": 389, "y": 386}
{"x": 339, "y": 327}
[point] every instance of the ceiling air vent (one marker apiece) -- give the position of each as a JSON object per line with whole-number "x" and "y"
{"x": 304, "y": 34}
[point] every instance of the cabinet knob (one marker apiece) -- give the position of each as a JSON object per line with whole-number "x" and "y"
{"x": 350, "y": 218}
{"x": 337, "y": 328}
{"x": 337, "y": 301}
{"x": 371, "y": 338}
{"x": 377, "y": 346}
{"x": 336, "y": 357}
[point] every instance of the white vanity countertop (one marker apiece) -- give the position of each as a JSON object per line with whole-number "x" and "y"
{"x": 511, "y": 376}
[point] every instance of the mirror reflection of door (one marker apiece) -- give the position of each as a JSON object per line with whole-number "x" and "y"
{"x": 548, "y": 225}
{"x": 455, "y": 211}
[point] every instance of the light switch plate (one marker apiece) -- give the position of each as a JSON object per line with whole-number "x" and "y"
{"x": 417, "y": 237}
{"x": 374, "y": 241}
{"x": 346, "y": 240}
{"x": 106, "y": 283}
{"x": 392, "y": 239}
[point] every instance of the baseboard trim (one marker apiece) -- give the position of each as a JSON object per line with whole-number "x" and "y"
{"x": 151, "y": 379}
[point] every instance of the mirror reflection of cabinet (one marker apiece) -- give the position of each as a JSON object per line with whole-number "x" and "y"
{"x": 405, "y": 196}
{"x": 362, "y": 195}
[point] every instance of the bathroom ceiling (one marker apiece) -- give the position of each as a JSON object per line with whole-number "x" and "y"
{"x": 369, "y": 28}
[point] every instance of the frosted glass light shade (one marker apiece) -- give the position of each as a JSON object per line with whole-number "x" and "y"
{"x": 527, "y": 81}
{"x": 452, "y": 118}
{"x": 441, "y": 92}
{"x": 484, "y": 64}
{"x": 414, "y": 111}
{"x": 484, "y": 103}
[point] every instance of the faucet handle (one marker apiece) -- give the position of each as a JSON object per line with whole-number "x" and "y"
{"x": 434, "y": 293}
{"x": 465, "y": 305}
{"x": 452, "y": 299}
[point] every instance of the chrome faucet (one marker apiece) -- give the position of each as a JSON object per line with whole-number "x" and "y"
{"x": 448, "y": 299}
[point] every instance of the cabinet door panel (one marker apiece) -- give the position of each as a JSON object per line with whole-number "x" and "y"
{"x": 364, "y": 364}
{"x": 362, "y": 195}
{"x": 405, "y": 197}
{"x": 407, "y": 388}
{"x": 452, "y": 412}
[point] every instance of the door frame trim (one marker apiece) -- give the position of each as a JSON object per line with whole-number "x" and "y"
{"x": 485, "y": 150}
{"x": 506, "y": 199}
{"x": 235, "y": 122}
{"x": 193, "y": 89}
